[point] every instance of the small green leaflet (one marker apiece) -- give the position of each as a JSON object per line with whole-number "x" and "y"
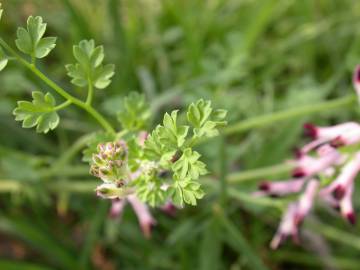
{"x": 204, "y": 120}
{"x": 150, "y": 191}
{"x": 40, "y": 112}
{"x": 134, "y": 113}
{"x": 89, "y": 68}
{"x": 170, "y": 133}
{"x": 185, "y": 191}
{"x": 31, "y": 41}
{"x": 3, "y": 59}
{"x": 189, "y": 165}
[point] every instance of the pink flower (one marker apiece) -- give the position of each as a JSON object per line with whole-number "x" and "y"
{"x": 346, "y": 207}
{"x": 308, "y": 166}
{"x": 306, "y": 200}
{"x": 169, "y": 208}
{"x": 295, "y": 214}
{"x": 117, "y": 208}
{"x": 345, "y": 179}
{"x": 141, "y": 210}
{"x": 281, "y": 188}
{"x": 287, "y": 227}
{"x": 338, "y": 135}
{"x": 143, "y": 214}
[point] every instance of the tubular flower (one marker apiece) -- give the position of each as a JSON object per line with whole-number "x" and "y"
{"x": 141, "y": 210}
{"x": 324, "y": 169}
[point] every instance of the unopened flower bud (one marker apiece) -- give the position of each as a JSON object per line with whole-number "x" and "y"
{"x": 112, "y": 191}
{"x": 110, "y": 163}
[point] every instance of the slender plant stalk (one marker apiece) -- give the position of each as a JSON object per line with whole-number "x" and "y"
{"x": 223, "y": 172}
{"x": 90, "y": 94}
{"x": 62, "y": 105}
{"x": 247, "y": 175}
{"x": 87, "y": 107}
{"x": 272, "y": 118}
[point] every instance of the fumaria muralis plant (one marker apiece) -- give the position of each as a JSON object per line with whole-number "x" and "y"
{"x": 325, "y": 168}
{"x": 156, "y": 168}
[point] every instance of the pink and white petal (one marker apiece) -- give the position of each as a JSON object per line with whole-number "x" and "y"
{"x": 143, "y": 214}
{"x": 117, "y": 208}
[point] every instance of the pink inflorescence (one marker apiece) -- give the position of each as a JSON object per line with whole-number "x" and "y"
{"x": 319, "y": 161}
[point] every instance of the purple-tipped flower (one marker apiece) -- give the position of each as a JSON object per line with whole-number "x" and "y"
{"x": 346, "y": 206}
{"x": 295, "y": 215}
{"x": 344, "y": 181}
{"x": 308, "y": 166}
{"x": 286, "y": 228}
{"x": 320, "y": 159}
{"x": 281, "y": 188}
{"x": 169, "y": 208}
{"x": 117, "y": 208}
{"x": 306, "y": 200}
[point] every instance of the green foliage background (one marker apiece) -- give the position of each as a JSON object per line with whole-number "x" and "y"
{"x": 252, "y": 58}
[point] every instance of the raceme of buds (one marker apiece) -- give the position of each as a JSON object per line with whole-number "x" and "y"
{"x": 110, "y": 163}
{"x": 325, "y": 157}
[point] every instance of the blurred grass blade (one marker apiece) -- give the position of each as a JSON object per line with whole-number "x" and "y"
{"x": 93, "y": 234}
{"x": 211, "y": 246}
{"x": 39, "y": 240}
{"x": 83, "y": 30}
{"x": 237, "y": 241}
{"x": 16, "y": 265}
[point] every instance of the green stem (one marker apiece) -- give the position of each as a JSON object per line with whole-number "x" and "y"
{"x": 90, "y": 93}
{"x": 271, "y": 118}
{"x": 247, "y": 175}
{"x": 102, "y": 121}
{"x": 223, "y": 172}
{"x": 62, "y": 105}
{"x": 33, "y": 60}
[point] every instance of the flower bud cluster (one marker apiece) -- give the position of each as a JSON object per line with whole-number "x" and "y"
{"x": 110, "y": 163}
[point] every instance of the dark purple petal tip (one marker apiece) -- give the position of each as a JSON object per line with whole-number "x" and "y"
{"x": 298, "y": 173}
{"x": 310, "y": 130}
{"x": 351, "y": 218}
{"x": 264, "y": 186}
{"x": 339, "y": 192}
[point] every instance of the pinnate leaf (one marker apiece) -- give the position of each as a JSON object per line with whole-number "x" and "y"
{"x": 204, "y": 120}
{"x": 187, "y": 191}
{"x": 89, "y": 68}
{"x": 31, "y": 41}
{"x": 40, "y": 112}
{"x": 134, "y": 113}
{"x": 170, "y": 133}
{"x": 150, "y": 191}
{"x": 189, "y": 165}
